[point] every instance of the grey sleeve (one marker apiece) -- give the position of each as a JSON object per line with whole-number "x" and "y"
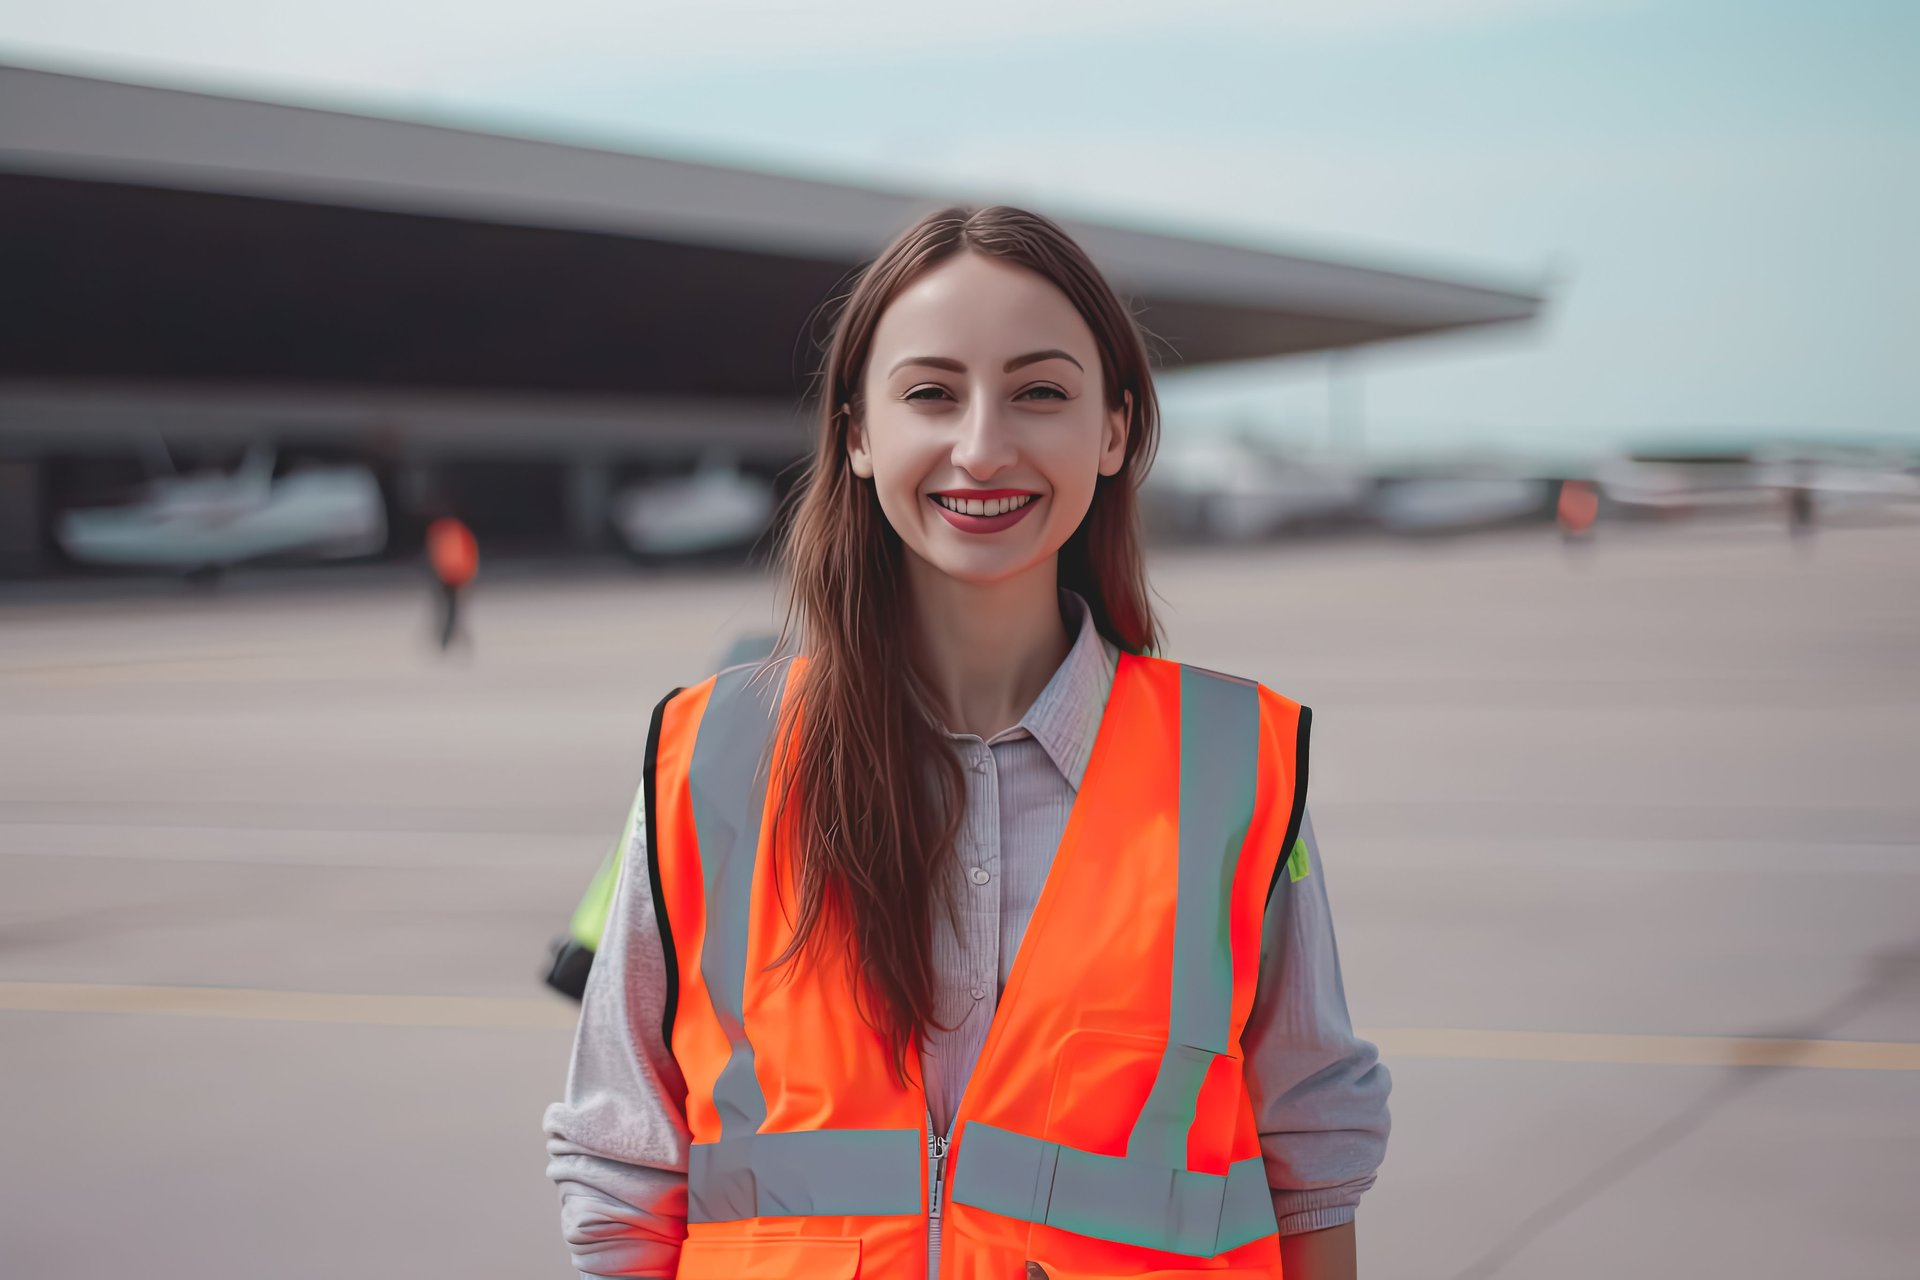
{"x": 617, "y": 1144}
{"x": 1319, "y": 1092}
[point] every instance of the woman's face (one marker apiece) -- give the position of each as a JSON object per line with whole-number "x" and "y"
{"x": 984, "y": 427}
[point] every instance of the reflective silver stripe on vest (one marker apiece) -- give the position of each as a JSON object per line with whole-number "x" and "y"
{"x": 1219, "y": 761}
{"x": 746, "y": 1173}
{"x": 1122, "y": 1199}
{"x": 818, "y": 1171}
{"x": 1148, "y": 1197}
{"x": 728, "y": 783}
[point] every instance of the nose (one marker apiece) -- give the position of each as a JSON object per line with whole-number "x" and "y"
{"x": 985, "y": 445}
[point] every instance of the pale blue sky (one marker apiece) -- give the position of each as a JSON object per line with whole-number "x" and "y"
{"x": 1721, "y": 196}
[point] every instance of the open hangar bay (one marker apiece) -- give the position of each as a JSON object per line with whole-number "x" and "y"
{"x": 515, "y": 326}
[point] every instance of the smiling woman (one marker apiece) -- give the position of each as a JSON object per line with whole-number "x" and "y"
{"x": 935, "y": 429}
{"x": 964, "y": 918}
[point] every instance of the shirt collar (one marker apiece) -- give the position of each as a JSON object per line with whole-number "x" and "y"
{"x": 1065, "y": 718}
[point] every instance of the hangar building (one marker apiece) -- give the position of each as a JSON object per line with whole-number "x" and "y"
{"x": 521, "y": 321}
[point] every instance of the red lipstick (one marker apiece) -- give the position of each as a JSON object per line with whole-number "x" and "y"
{"x": 984, "y": 524}
{"x": 983, "y": 494}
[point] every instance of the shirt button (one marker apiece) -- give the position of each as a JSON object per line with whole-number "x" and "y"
{"x": 980, "y": 762}
{"x": 979, "y": 993}
{"x": 980, "y": 875}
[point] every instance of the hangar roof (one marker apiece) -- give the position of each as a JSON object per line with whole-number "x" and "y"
{"x": 156, "y": 233}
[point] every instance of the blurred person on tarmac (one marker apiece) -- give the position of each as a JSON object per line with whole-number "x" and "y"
{"x": 454, "y": 556}
{"x": 962, "y": 936}
{"x": 1576, "y": 511}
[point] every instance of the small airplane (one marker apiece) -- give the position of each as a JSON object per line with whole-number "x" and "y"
{"x": 1437, "y": 504}
{"x": 1831, "y": 481}
{"x": 1234, "y": 488}
{"x": 1673, "y": 483}
{"x": 205, "y": 521}
{"x": 718, "y": 508}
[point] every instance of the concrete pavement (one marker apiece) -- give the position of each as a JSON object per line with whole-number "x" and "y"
{"x": 276, "y": 880}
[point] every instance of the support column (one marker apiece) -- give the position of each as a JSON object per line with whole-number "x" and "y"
{"x": 1346, "y": 404}
{"x": 21, "y": 515}
{"x": 589, "y": 500}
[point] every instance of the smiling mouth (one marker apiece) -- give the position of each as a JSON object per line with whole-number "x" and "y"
{"x": 990, "y": 506}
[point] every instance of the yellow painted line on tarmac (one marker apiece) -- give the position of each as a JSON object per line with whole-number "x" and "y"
{"x": 485, "y": 1013}
{"x": 507, "y": 1013}
{"x": 120, "y": 670}
{"x": 1647, "y": 1051}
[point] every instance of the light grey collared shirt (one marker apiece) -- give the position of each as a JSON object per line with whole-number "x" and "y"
{"x": 618, "y": 1142}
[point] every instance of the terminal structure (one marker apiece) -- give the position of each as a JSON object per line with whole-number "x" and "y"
{"x": 524, "y": 322}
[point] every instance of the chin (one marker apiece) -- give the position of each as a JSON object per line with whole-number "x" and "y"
{"x": 981, "y": 567}
{"x": 977, "y": 572}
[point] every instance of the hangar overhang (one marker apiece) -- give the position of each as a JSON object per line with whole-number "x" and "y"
{"x": 165, "y": 244}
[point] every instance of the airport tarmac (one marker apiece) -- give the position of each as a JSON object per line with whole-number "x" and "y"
{"x": 1623, "y": 847}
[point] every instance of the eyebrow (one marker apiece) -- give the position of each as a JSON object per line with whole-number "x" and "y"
{"x": 1018, "y": 362}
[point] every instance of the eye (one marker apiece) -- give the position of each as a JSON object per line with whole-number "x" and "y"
{"x": 915, "y": 394}
{"x": 1051, "y": 393}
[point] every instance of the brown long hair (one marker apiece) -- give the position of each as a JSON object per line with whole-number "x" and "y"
{"x": 873, "y": 790}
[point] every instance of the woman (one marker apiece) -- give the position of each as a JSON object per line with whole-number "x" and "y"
{"x": 972, "y": 942}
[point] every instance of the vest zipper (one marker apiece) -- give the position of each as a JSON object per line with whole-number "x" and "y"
{"x": 937, "y": 1153}
{"x": 936, "y": 1184}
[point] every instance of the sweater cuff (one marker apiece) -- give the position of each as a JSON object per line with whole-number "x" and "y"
{"x": 1306, "y": 1220}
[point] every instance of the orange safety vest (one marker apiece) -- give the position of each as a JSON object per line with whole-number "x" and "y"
{"x": 453, "y": 551}
{"x": 1106, "y": 1130}
{"x": 1578, "y": 507}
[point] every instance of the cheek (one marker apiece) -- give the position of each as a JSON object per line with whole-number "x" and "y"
{"x": 902, "y": 460}
{"x": 1071, "y": 462}
{"x": 899, "y": 458}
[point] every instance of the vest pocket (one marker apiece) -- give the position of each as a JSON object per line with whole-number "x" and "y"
{"x": 770, "y": 1258}
{"x": 1139, "y": 1138}
{"x": 1100, "y": 1080}
{"x": 1060, "y": 1271}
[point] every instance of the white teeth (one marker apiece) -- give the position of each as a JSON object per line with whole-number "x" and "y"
{"x": 983, "y": 506}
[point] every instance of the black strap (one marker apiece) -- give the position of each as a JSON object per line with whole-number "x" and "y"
{"x": 1299, "y": 800}
{"x": 649, "y": 782}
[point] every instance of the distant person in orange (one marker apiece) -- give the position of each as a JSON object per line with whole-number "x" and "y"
{"x": 1579, "y": 506}
{"x": 455, "y": 558}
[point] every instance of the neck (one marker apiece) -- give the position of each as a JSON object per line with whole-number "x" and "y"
{"x": 986, "y": 650}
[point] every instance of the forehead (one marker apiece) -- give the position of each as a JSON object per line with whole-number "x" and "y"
{"x": 979, "y": 306}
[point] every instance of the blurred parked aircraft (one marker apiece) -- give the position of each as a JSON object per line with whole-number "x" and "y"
{"x": 718, "y": 508}
{"x": 1756, "y": 480}
{"x": 1446, "y": 503}
{"x": 205, "y": 521}
{"x": 1233, "y": 488}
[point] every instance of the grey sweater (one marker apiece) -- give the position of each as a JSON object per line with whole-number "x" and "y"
{"x": 618, "y": 1142}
